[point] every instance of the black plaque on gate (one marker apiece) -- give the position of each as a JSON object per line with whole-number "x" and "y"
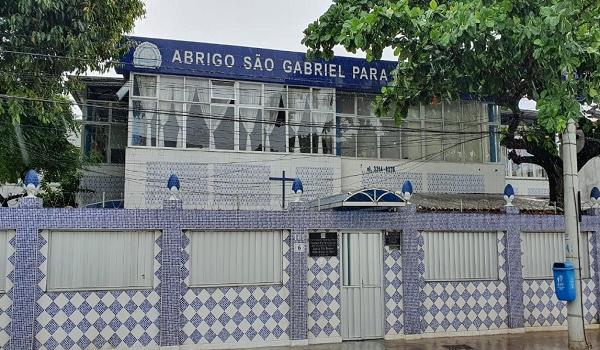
{"x": 322, "y": 244}
{"x": 393, "y": 239}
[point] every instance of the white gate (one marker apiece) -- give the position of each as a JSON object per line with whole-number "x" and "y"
{"x": 362, "y": 300}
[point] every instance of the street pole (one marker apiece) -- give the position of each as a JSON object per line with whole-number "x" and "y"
{"x": 577, "y": 339}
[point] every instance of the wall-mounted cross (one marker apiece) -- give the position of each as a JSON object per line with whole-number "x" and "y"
{"x": 283, "y": 180}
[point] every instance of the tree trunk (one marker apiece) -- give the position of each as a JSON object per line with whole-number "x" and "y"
{"x": 556, "y": 185}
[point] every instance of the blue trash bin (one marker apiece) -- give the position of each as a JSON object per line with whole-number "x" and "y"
{"x": 564, "y": 280}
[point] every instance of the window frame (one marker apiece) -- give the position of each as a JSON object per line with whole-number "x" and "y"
{"x": 48, "y": 232}
{"x": 110, "y": 105}
{"x": 585, "y": 242}
{"x": 192, "y": 284}
{"x": 495, "y": 274}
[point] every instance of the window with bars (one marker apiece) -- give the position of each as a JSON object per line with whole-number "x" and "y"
{"x": 455, "y": 256}
{"x": 542, "y": 249}
{"x": 100, "y": 260}
{"x": 219, "y": 258}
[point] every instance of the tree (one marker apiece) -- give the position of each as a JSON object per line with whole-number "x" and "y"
{"x": 41, "y": 42}
{"x": 502, "y": 50}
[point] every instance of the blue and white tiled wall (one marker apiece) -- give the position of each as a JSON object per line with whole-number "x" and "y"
{"x": 392, "y": 291}
{"x": 542, "y": 308}
{"x": 234, "y": 315}
{"x": 97, "y": 319}
{"x": 467, "y": 306}
{"x": 305, "y": 307}
{"x": 324, "y": 298}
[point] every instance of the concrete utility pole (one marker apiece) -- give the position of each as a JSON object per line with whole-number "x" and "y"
{"x": 577, "y": 339}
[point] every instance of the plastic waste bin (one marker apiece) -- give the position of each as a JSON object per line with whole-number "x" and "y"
{"x": 564, "y": 280}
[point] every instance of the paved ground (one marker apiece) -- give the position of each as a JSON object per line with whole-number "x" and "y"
{"x": 524, "y": 341}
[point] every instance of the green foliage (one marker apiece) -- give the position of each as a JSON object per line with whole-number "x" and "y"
{"x": 43, "y": 41}
{"x": 546, "y": 50}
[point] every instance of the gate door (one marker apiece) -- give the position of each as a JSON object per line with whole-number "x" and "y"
{"x": 362, "y": 300}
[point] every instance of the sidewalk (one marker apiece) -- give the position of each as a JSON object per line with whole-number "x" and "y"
{"x": 522, "y": 341}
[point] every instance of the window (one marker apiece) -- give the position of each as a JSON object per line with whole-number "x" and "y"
{"x": 105, "y": 131}
{"x": 100, "y": 260}
{"x": 542, "y": 249}
{"x": 235, "y": 258}
{"x": 452, "y": 256}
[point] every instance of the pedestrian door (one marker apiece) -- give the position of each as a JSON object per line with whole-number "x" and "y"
{"x": 362, "y": 301}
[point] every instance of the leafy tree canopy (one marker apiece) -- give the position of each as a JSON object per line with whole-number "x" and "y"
{"x": 548, "y": 51}
{"x": 41, "y": 42}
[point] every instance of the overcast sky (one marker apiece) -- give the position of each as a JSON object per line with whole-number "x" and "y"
{"x": 272, "y": 24}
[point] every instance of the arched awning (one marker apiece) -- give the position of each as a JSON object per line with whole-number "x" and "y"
{"x": 367, "y": 198}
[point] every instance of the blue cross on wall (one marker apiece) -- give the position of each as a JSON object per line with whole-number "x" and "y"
{"x": 283, "y": 180}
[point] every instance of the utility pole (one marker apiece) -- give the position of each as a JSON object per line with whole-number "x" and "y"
{"x": 577, "y": 339}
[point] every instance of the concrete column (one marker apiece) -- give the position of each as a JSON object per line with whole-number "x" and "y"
{"x": 170, "y": 273}
{"x": 412, "y": 273}
{"x": 515, "y": 271}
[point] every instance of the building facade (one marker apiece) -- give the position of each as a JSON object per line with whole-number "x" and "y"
{"x": 228, "y": 120}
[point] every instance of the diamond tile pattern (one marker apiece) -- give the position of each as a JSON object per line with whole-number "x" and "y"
{"x": 235, "y": 314}
{"x": 467, "y": 306}
{"x": 324, "y": 298}
{"x": 392, "y": 297}
{"x": 102, "y": 319}
{"x": 542, "y": 308}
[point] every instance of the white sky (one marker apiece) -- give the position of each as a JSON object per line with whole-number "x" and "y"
{"x": 271, "y": 24}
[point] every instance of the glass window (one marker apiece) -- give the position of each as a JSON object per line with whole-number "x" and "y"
{"x": 275, "y": 96}
{"x": 171, "y": 88}
{"x": 366, "y": 140}
{"x": 302, "y": 131}
{"x": 97, "y": 111}
{"x": 143, "y": 124}
{"x": 472, "y": 143}
{"x": 348, "y": 130}
{"x": 344, "y": 103}
{"x": 170, "y": 124}
{"x": 364, "y": 104}
{"x": 300, "y": 98}
{"x": 275, "y": 131}
{"x": 197, "y": 126}
{"x": 471, "y": 111}
{"x": 433, "y": 112}
{"x": 223, "y": 91}
{"x": 322, "y": 133}
{"x": 411, "y": 135}
{"x": 119, "y": 112}
{"x": 222, "y": 126}
{"x": 250, "y": 94}
{"x": 96, "y": 142}
{"x": 118, "y": 143}
{"x": 144, "y": 85}
{"x": 327, "y": 136}
{"x": 251, "y": 129}
{"x": 452, "y": 142}
{"x": 323, "y": 99}
{"x": 433, "y": 136}
{"x": 196, "y": 90}
{"x": 389, "y": 140}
